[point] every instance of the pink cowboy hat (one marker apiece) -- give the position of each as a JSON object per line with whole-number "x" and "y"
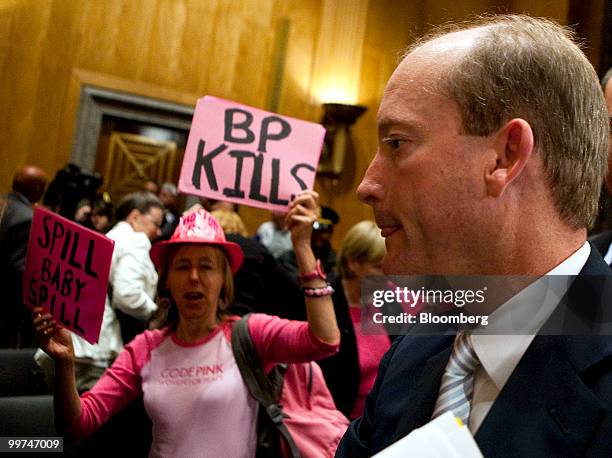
{"x": 198, "y": 227}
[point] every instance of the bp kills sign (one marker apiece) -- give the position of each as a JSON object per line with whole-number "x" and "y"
{"x": 249, "y": 156}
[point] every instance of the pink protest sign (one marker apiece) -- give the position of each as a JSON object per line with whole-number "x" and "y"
{"x": 66, "y": 273}
{"x": 249, "y": 156}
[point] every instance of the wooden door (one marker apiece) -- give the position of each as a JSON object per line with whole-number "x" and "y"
{"x": 133, "y": 159}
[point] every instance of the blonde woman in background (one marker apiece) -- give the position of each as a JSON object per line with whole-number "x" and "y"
{"x": 350, "y": 374}
{"x": 230, "y": 221}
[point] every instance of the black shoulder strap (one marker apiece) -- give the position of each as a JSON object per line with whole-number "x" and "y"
{"x": 258, "y": 383}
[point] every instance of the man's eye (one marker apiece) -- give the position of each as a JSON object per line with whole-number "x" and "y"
{"x": 394, "y": 143}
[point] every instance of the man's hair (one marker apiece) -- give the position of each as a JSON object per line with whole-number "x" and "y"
{"x": 30, "y": 181}
{"x": 362, "y": 243}
{"x": 531, "y": 68}
{"x": 170, "y": 188}
{"x": 142, "y": 201}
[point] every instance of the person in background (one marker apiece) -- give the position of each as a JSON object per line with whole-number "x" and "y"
{"x": 29, "y": 184}
{"x": 260, "y": 285}
{"x": 323, "y": 229}
{"x": 230, "y": 221}
{"x": 168, "y": 195}
{"x": 83, "y": 212}
{"x": 193, "y": 390}
{"x": 603, "y": 241}
{"x": 133, "y": 278}
{"x": 101, "y": 218}
{"x": 69, "y": 187}
{"x": 350, "y": 373}
{"x": 150, "y": 186}
{"x": 193, "y": 203}
{"x": 274, "y": 235}
{"x": 215, "y": 204}
{"x": 130, "y": 302}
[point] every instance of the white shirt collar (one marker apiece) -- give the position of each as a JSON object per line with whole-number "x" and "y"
{"x": 574, "y": 264}
{"x": 608, "y": 256}
{"x": 500, "y": 354}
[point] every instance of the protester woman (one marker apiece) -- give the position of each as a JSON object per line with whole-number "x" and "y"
{"x": 193, "y": 392}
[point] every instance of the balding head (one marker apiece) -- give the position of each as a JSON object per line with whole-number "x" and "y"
{"x": 492, "y": 148}
{"x": 506, "y": 67}
{"x": 30, "y": 181}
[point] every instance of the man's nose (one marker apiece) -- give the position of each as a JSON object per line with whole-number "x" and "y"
{"x": 371, "y": 188}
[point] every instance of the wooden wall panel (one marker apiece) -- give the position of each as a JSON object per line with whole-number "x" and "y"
{"x": 164, "y": 44}
{"x": 133, "y": 42}
{"x": 385, "y": 36}
{"x": 59, "y": 51}
{"x": 180, "y": 49}
{"x": 20, "y": 83}
{"x": 555, "y": 9}
{"x": 588, "y": 20}
{"x": 304, "y": 25}
{"x": 437, "y": 12}
{"x": 336, "y": 67}
{"x": 100, "y": 19}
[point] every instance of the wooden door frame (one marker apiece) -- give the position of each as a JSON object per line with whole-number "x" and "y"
{"x": 100, "y": 95}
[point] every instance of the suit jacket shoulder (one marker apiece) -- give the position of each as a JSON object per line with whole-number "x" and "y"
{"x": 601, "y": 241}
{"x": 557, "y": 402}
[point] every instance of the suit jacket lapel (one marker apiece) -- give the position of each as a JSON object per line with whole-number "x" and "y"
{"x": 547, "y": 397}
{"x": 546, "y": 408}
{"x": 423, "y": 396}
{"x": 548, "y": 393}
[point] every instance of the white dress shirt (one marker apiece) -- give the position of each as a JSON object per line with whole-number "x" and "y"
{"x": 134, "y": 281}
{"x": 500, "y": 354}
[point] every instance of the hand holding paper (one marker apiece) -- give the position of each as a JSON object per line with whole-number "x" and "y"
{"x": 51, "y": 338}
{"x": 67, "y": 268}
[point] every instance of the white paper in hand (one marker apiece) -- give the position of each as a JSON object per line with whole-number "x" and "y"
{"x": 443, "y": 437}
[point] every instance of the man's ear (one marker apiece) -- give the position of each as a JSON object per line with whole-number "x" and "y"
{"x": 513, "y": 146}
{"x": 132, "y": 217}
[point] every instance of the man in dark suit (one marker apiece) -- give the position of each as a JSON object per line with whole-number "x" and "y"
{"x": 492, "y": 152}
{"x": 15, "y": 220}
{"x": 603, "y": 241}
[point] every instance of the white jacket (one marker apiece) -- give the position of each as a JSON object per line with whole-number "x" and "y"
{"x": 133, "y": 281}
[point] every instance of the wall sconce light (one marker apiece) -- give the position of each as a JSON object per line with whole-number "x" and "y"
{"x": 337, "y": 119}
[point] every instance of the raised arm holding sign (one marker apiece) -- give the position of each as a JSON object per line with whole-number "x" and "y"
{"x": 249, "y": 156}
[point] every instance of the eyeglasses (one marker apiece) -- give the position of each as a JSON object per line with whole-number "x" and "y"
{"x": 149, "y": 217}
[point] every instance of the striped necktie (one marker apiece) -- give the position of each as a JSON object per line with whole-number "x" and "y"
{"x": 457, "y": 385}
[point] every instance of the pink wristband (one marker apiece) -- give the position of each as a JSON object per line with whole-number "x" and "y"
{"x": 326, "y": 290}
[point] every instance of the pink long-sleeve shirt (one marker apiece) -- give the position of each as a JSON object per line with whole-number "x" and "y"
{"x": 193, "y": 392}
